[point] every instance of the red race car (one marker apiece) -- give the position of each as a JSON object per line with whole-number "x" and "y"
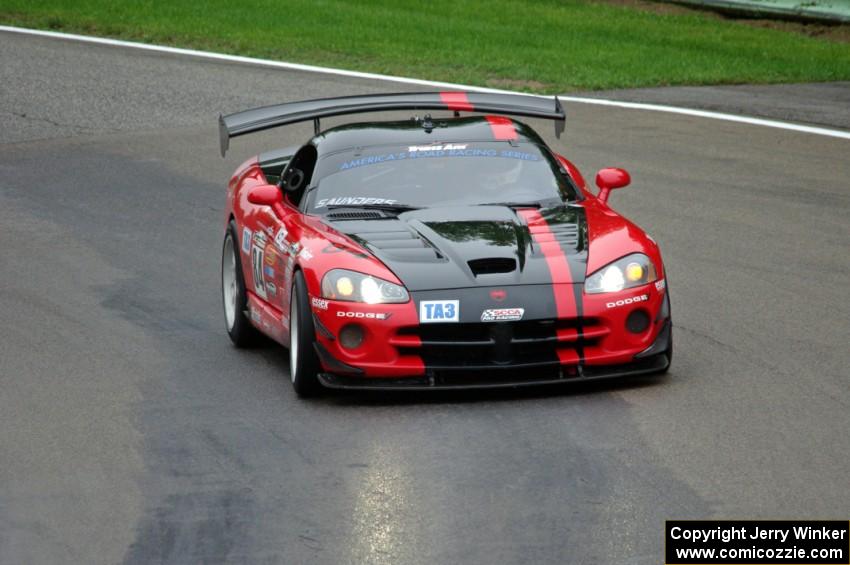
{"x": 436, "y": 252}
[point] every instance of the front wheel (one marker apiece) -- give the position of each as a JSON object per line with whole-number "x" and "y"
{"x": 303, "y": 363}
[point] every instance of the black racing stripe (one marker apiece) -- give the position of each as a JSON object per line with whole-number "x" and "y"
{"x": 575, "y": 250}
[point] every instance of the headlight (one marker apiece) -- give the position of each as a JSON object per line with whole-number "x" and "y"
{"x": 630, "y": 271}
{"x": 341, "y": 284}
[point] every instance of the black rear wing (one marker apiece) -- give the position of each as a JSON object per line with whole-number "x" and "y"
{"x": 259, "y": 119}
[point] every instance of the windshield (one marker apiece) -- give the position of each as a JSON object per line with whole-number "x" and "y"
{"x": 452, "y": 174}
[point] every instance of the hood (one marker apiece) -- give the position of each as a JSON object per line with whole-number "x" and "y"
{"x": 472, "y": 246}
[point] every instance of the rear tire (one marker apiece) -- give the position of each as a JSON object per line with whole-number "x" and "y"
{"x": 303, "y": 362}
{"x": 233, "y": 295}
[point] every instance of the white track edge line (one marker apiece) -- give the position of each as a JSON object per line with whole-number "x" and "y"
{"x": 374, "y": 76}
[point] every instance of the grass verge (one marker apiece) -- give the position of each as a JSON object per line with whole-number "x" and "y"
{"x": 545, "y": 46}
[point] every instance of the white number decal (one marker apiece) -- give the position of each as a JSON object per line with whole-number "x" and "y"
{"x": 257, "y": 268}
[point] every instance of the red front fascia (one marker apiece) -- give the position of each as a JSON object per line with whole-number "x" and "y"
{"x": 606, "y": 314}
{"x": 379, "y": 355}
{"x": 606, "y": 339}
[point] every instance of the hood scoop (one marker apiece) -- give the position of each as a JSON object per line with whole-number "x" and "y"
{"x": 492, "y": 265}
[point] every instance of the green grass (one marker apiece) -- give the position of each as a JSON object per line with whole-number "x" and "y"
{"x": 543, "y": 46}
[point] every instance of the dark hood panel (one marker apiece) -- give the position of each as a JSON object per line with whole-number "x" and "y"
{"x": 469, "y": 246}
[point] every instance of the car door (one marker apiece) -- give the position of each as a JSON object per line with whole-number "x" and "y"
{"x": 276, "y": 256}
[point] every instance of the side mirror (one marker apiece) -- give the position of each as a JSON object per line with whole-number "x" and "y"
{"x": 609, "y": 179}
{"x": 265, "y": 195}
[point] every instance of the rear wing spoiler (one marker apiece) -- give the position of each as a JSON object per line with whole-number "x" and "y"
{"x": 259, "y": 119}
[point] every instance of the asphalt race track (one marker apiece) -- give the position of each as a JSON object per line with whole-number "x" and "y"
{"x": 131, "y": 431}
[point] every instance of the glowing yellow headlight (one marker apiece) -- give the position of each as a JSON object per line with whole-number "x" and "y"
{"x": 344, "y": 286}
{"x": 634, "y": 272}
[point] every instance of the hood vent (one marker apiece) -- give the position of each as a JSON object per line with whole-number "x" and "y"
{"x": 399, "y": 245}
{"x": 492, "y": 265}
{"x": 356, "y": 215}
{"x": 566, "y": 234}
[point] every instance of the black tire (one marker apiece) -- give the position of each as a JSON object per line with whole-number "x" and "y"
{"x": 303, "y": 362}
{"x": 669, "y": 351}
{"x": 237, "y": 324}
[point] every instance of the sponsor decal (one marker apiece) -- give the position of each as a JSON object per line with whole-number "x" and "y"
{"x": 305, "y": 254}
{"x": 371, "y": 160}
{"x": 446, "y": 147}
{"x": 319, "y": 303}
{"x": 280, "y": 239}
{"x": 502, "y": 314}
{"x": 660, "y": 285}
{"x": 426, "y": 151}
{"x": 519, "y": 155}
{"x": 293, "y": 249}
{"x": 271, "y": 288}
{"x": 270, "y": 254}
{"x": 440, "y": 311}
{"x": 626, "y": 301}
{"x": 259, "y": 238}
{"x": 255, "y": 314}
{"x": 246, "y": 240}
{"x": 362, "y": 315}
{"x": 268, "y": 271}
{"x": 353, "y": 201}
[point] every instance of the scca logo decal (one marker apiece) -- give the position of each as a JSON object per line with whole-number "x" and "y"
{"x": 439, "y": 311}
{"x": 625, "y": 301}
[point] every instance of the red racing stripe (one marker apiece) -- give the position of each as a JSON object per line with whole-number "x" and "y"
{"x": 503, "y": 128}
{"x": 456, "y": 101}
{"x": 559, "y": 268}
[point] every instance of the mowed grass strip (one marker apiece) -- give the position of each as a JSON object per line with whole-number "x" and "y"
{"x": 541, "y": 46}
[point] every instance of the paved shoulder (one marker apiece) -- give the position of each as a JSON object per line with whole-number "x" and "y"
{"x": 823, "y": 104}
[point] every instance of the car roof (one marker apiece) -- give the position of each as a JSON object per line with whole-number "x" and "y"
{"x": 414, "y": 132}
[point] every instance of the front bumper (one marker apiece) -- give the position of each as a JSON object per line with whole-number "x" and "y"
{"x": 400, "y": 353}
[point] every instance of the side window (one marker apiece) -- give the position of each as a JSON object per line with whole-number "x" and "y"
{"x": 299, "y": 173}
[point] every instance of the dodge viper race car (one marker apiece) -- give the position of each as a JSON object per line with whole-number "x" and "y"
{"x": 436, "y": 252}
